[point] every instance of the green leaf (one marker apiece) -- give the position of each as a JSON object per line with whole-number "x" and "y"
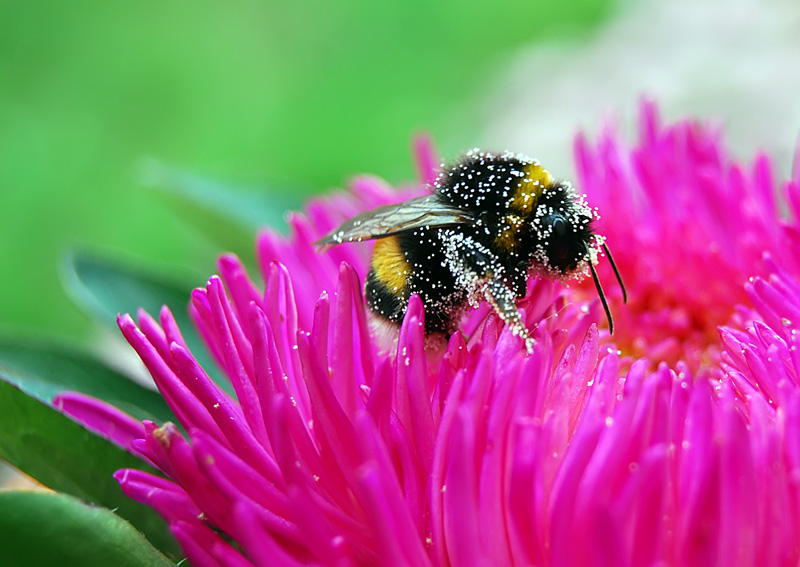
{"x": 231, "y": 215}
{"x": 63, "y": 455}
{"x": 45, "y": 370}
{"x": 44, "y": 528}
{"x": 105, "y": 288}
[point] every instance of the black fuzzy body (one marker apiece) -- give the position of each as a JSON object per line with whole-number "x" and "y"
{"x": 516, "y": 225}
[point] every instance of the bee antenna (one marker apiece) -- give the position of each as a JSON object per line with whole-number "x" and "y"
{"x": 616, "y": 273}
{"x": 602, "y": 298}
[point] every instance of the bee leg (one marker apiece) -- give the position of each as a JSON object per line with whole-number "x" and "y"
{"x": 473, "y": 263}
{"x": 503, "y": 300}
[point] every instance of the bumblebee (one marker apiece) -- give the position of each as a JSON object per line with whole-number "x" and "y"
{"x": 491, "y": 220}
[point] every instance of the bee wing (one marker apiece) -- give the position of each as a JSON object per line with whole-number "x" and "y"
{"x": 427, "y": 211}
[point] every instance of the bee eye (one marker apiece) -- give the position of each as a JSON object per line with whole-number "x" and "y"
{"x": 559, "y": 228}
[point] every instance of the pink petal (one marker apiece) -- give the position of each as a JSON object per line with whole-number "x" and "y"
{"x": 100, "y": 417}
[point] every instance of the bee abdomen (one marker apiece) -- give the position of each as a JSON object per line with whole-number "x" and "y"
{"x": 384, "y": 301}
{"x": 390, "y": 265}
{"x": 387, "y": 282}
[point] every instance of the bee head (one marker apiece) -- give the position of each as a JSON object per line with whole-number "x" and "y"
{"x": 567, "y": 245}
{"x": 566, "y": 241}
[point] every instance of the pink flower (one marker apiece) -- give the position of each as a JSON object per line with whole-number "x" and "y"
{"x": 688, "y": 229}
{"x": 674, "y": 442}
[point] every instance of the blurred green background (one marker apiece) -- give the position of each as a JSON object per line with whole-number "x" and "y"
{"x": 264, "y": 95}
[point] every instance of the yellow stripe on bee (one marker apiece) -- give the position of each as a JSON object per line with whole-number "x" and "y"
{"x": 530, "y": 188}
{"x": 506, "y": 238}
{"x": 390, "y": 264}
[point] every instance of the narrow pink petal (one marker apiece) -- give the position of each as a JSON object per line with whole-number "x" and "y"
{"x": 739, "y": 490}
{"x": 412, "y": 397}
{"x": 154, "y": 333}
{"x": 226, "y": 416}
{"x": 733, "y": 346}
{"x": 742, "y": 385}
{"x": 152, "y": 449}
{"x": 578, "y": 330}
{"x": 228, "y": 556}
{"x": 415, "y": 477}
{"x": 757, "y": 367}
{"x": 488, "y": 333}
{"x": 699, "y": 497}
{"x": 508, "y": 344}
{"x": 188, "y": 474}
{"x": 454, "y": 358}
{"x": 770, "y": 302}
{"x": 793, "y": 343}
{"x": 391, "y": 547}
{"x": 379, "y": 404}
{"x": 556, "y": 421}
{"x": 463, "y": 533}
{"x": 474, "y": 321}
{"x": 605, "y": 545}
{"x": 362, "y": 330}
{"x": 182, "y": 402}
{"x": 197, "y": 542}
{"x": 318, "y": 536}
{"x": 170, "y": 326}
{"x": 346, "y": 344}
{"x": 234, "y": 345}
{"x": 155, "y": 336}
{"x": 217, "y": 403}
{"x": 649, "y": 123}
{"x": 100, "y": 417}
{"x": 606, "y": 471}
{"x": 241, "y": 288}
{"x": 320, "y": 269}
{"x": 388, "y": 547}
{"x": 271, "y": 381}
{"x": 480, "y": 370}
{"x": 311, "y": 273}
{"x": 495, "y": 470}
{"x": 648, "y": 427}
{"x": 407, "y": 528}
{"x": 563, "y": 521}
{"x": 788, "y": 287}
{"x": 585, "y": 363}
{"x": 314, "y": 515}
{"x": 168, "y": 498}
{"x": 534, "y": 381}
{"x": 608, "y": 465}
{"x": 269, "y": 374}
{"x": 200, "y": 311}
{"x": 777, "y": 503}
{"x": 232, "y": 475}
{"x": 135, "y": 476}
{"x": 531, "y": 475}
{"x": 238, "y": 355}
{"x": 331, "y": 425}
{"x": 259, "y": 543}
{"x": 322, "y": 502}
{"x": 525, "y": 497}
{"x": 284, "y": 319}
{"x": 439, "y": 469}
{"x": 641, "y": 504}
